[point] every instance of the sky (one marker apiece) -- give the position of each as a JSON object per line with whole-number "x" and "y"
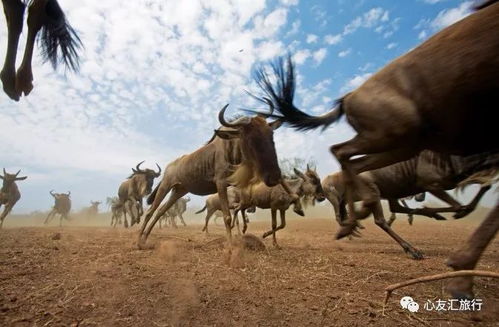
{"x": 155, "y": 73}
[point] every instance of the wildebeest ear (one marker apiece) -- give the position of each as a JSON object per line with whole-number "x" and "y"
{"x": 21, "y": 178}
{"x": 227, "y": 134}
{"x": 275, "y": 124}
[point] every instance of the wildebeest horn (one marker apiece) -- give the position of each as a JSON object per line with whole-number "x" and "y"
{"x": 159, "y": 171}
{"x": 52, "y": 193}
{"x": 18, "y": 172}
{"x": 4, "y": 172}
{"x": 236, "y": 124}
{"x": 69, "y": 193}
{"x": 137, "y": 168}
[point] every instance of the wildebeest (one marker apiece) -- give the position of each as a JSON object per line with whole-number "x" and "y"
{"x": 307, "y": 185}
{"x": 427, "y": 172}
{"x": 117, "y": 210}
{"x": 134, "y": 189}
{"x": 93, "y": 210}
{"x": 242, "y": 150}
{"x": 9, "y": 194}
{"x": 62, "y": 206}
{"x": 57, "y": 37}
{"x": 176, "y": 210}
{"x": 213, "y": 206}
{"x": 410, "y": 217}
{"x": 443, "y": 96}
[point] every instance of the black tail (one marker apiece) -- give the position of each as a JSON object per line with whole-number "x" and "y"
{"x": 150, "y": 198}
{"x": 204, "y": 208}
{"x": 281, "y": 97}
{"x": 484, "y": 4}
{"x": 57, "y": 33}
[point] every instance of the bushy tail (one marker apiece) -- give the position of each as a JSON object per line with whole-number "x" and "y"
{"x": 150, "y": 198}
{"x": 58, "y": 34}
{"x": 280, "y": 97}
{"x": 204, "y": 208}
{"x": 487, "y": 177}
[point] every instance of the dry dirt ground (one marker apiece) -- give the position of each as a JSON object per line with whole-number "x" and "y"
{"x": 96, "y": 276}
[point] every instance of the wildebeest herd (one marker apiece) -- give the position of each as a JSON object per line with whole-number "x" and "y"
{"x": 426, "y": 122}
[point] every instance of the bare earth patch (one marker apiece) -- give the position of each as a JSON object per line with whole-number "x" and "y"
{"x": 96, "y": 276}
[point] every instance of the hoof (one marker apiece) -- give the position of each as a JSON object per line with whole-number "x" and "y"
{"x": 345, "y": 231}
{"x": 416, "y": 255}
{"x": 461, "y": 288}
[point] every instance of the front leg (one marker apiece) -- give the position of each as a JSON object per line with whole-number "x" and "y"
{"x": 224, "y": 206}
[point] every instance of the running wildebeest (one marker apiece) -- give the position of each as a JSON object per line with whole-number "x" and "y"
{"x": 93, "y": 210}
{"x": 427, "y": 172}
{"x": 213, "y": 206}
{"x": 176, "y": 210}
{"x": 9, "y": 194}
{"x": 134, "y": 189}
{"x": 420, "y": 197}
{"x": 306, "y": 185}
{"x": 57, "y": 37}
{"x": 238, "y": 152}
{"x": 62, "y": 206}
{"x": 443, "y": 96}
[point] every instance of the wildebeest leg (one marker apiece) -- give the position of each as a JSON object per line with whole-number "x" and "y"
{"x": 467, "y": 209}
{"x": 396, "y": 207}
{"x": 173, "y": 221}
{"x": 392, "y": 218}
{"x": 381, "y": 222}
{"x": 209, "y": 213}
{"x": 410, "y": 217}
{"x": 245, "y": 221}
{"x": 333, "y": 197}
{"x": 49, "y": 217}
{"x": 273, "y": 212}
{"x": 468, "y": 256}
{"x": 377, "y": 153}
{"x": 5, "y": 212}
{"x": 162, "y": 191}
{"x": 182, "y": 220}
{"x": 177, "y": 192}
{"x": 140, "y": 210}
{"x": 14, "y": 13}
{"x": 224, "y": 205}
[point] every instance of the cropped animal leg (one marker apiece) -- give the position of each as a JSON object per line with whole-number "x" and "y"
{"x": 381, "y": 222}
{"x": 209, "y": 213}
{"x": 468, "y": 256}
{"x": 397, "y": 208}
{"x": 177, "y": 192}
{"x": 182, "y": 220}
{"x": 274, "y": 227}
{"x": 163, "y": 190}
{"x": 5, "y": 212}
{"x": 224, "y": 204}
{"x": 245, "y": 221}
{"x": 14, "y": 13}
{"x": 49, "y": 217}
{"x": 467, "y": 209}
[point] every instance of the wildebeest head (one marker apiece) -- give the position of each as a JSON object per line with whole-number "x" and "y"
{"x": 312, "y": 186}
{"x": 95, "y": 204}
{"x": 148, "y": 174}
{"x": 257, "y": 145}
{"x": 60, "y": 195}
{"x": 9, "y": 179}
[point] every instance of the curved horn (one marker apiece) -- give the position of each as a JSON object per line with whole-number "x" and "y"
{"x": 4, "y": 172}
{"x": 225, "y": 123}
{"x": 69, "y": 193}
{"x": 18, "y": 172}
{"x": 159, "y": 171}
{"x": 52, "y": 193}
{"x": 137, "y": 168}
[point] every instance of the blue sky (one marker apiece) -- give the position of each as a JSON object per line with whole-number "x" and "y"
{"x": 155, "y": 73}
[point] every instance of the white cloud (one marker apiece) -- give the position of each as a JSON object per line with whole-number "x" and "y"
{"x": 289, "y": 2}
{"x": 295, "y": 28}
{"x": 301, "y": 55}
{"x": 319, "y": 55}
{"x": 355, "y": 82}
{"x": 333, "y": 39}
{"x": 432, "y": 2}
{"x": 368, "y": 20}
{"x": 450, "y": 16}
{"x": 344, "y": 53}
{"x": 391, "y": 45}
{"x": 312, "y": 38}
{"x": 422, "y": 35}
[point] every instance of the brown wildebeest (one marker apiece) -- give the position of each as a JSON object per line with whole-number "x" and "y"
{"x": 176, "y": 210}
{"x": 62, "y": 207}
{"x": 57, "y": 35}
{"x": 240, "y": 152}
{"x": 9, "y": 194}
{"x": 117, "y": 210}
{"x": 134, "y": 189}
{"x": 307, "y": 185}
{"x": 427, "y": 172}
{"x": 93, "y": 210}
{"x": 213, "y": 206}
{"x": 443, "y": 96}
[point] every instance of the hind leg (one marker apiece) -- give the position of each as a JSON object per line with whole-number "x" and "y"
{"x": 209, "y": 213}
{"x": 163, "y": 189}
{"x": 14, "y": 13}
